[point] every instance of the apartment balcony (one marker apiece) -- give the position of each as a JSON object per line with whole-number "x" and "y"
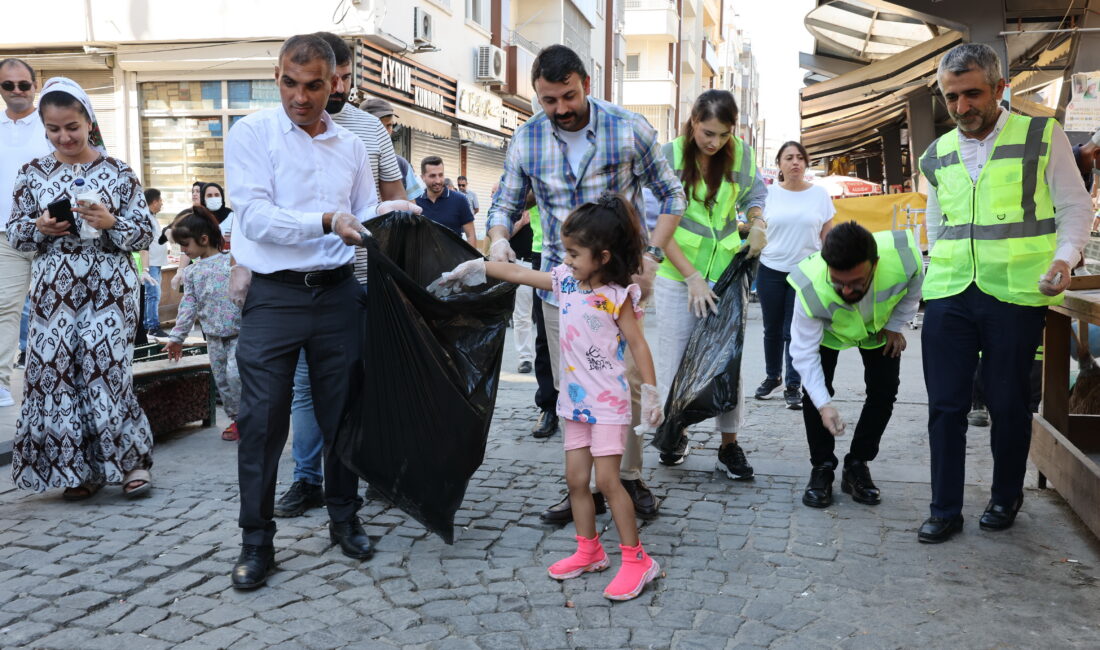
{"x": 689, "y": 57}
{"x": 710, "y": 57}
{"x": 654, "y": 19}
{"x": 649, "y": 88}
{"x": 711, "y": 13}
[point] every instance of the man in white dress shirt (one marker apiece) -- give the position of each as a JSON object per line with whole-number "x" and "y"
{"x": 22, "y": 139}
{"x": 302, "y": 186}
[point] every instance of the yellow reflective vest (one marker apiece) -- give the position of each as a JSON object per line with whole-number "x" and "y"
{"x": 999, "y": 231}
{"x": 848, "y": 325}
{"x": 708, "y": 236}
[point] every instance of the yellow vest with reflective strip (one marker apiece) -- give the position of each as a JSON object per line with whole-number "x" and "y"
{"x": 709, "y": 238}
{"x": 999, "y": 231}
{"x": 849, "y": 325}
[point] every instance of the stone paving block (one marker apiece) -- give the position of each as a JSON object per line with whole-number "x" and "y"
{"x": 175, "y": 629}
{"x": 126, "y": 640}
{"x": 221, "y": 638}
{"x": 756, "y": 633}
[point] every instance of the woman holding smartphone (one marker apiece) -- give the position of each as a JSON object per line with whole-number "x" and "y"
{"x": 80, "y": 426}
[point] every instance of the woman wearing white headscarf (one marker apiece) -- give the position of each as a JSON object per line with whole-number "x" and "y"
{"x": 80, "y": 426}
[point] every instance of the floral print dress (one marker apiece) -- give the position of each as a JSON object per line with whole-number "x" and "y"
{"x": 80, "y": 422}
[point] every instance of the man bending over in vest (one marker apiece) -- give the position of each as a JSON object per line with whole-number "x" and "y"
{"x": 857, "y": 292}
{"x": 1007, "y": 219}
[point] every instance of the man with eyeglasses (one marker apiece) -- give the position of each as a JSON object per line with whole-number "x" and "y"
{"x": 471, "y": 197}
{"x": 859, "y": 291}
{"x": 22, "y": 139}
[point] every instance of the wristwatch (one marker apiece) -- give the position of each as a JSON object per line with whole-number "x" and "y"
{"x": 656, "y": 253}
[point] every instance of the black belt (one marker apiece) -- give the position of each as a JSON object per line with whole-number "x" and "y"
{"x": 322, "y": 278}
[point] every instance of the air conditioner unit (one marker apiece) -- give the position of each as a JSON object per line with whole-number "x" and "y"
{"x": 423, "y": 31}
{"x": 490, "y": 66}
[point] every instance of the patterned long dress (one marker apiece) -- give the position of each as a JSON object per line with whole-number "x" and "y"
{"x": 80, "y": 422}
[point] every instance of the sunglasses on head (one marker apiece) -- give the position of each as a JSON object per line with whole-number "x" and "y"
{"x": 10, "y": 85}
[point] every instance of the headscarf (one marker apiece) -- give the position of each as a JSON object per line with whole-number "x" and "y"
{"x": 70, "y": 87}
{"x": 221, "y": 213}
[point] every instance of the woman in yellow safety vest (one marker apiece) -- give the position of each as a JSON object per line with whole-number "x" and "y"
{"x": 799, "y": 214}
{"x": 718, "y": 171}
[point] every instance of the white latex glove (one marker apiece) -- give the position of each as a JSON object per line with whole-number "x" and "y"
{"x": 652, "y": 409}
{"x": 348, "y": 227}
{"x": 240, "y": 278}
{"x": 832, "y": 420}
{"x": 700, "y": 296}
{"x": 148, "y": 279}
{"x": 398, "y": 205}
{"x": 177, "y": 279}
{"x": 501, "y": 251}
{"x": 758, "y": 237}
{"x": 468, "y": 274}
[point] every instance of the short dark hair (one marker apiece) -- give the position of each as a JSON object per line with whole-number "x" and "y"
{"x": 429, "y": 160}
{"x": 14, "y": 61}
{"x": 195, "y": 225}
{"x": 151, "y": 194}
{"x": 610, "y": 224}
{"x": 555, "y": 63}
{"x": 848, "y": 245}
{"x": 303, "y": 48}
{"x": 339, "y": 46}
{"x": 463, "y": 178}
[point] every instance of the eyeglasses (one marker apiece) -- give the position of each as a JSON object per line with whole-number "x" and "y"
{"x": 858, "y": 286}
{"x": 10, "y": 85}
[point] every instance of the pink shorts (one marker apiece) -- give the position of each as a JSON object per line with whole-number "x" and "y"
{"x": 601, "y": 439}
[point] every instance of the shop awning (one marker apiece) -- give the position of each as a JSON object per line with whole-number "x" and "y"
{"x": 423, "y": 122}
{"x": 479, "y": 137}
{"x": 846, "y": 111}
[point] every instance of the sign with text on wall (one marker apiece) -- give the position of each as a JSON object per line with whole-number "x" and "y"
{"x": 383, "y": 74}
{"x": 1083, "y": 110}
{"x": 477, "y": 106}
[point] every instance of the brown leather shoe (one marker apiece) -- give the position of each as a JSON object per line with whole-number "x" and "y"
{"x": 562, "y": 512}
{"x": 645, "y": 504}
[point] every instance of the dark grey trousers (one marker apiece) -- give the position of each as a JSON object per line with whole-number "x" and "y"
{"x": 277, "y": 321}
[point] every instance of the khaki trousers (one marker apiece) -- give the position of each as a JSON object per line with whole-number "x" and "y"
{"x": 15, "y": 277}
{"x": 631, "y": 467}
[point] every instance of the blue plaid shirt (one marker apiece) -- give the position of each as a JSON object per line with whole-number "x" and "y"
{"x": 624, "y": 157}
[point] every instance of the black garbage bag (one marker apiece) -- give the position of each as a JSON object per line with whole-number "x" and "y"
{"x": 706, "y": 381}
{"x": 417, "y": 429}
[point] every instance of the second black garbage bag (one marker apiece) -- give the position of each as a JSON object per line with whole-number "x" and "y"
{"x": 707, "y": 380}
{"x": 418, "y": 428}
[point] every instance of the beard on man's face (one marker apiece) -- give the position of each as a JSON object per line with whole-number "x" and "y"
{"x": 336, "y": 103}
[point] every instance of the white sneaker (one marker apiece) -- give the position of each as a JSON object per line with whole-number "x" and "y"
{"x": 5, "y": 397}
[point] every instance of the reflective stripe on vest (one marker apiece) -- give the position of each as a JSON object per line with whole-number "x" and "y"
{"x": 536, "y": 230}
{"x": 845, "y": 325}
{"x": 998, "y": 231}
{"x": 709, "y": 237}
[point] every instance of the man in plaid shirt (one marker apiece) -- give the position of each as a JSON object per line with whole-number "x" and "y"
{"x": 577, "y": 149}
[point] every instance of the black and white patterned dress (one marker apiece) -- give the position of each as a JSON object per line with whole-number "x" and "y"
{"x": 80, "y": 422}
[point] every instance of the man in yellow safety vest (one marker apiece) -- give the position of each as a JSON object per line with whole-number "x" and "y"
{"x": 859, "y": 291}
{"x": 1007, "y": 219}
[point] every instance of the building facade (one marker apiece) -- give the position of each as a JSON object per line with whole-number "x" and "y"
{"x": 168, "y": 80}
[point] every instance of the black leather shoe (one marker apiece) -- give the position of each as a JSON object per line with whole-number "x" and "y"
{"x": 562, "y": 511}
{"x": 645, "y": 504}
{"x": 856, "y": 481}
{"x": 936, "y": 530}
{"x": 253, "y": 566}
{"x": 1000, "y": 517}
{"x": 524, "y": 367}
{"x": 547, "y": 426}
{"x": 819, "y": 491}
{"x": 301, "y": 496}
{"x": 352, "y": 538}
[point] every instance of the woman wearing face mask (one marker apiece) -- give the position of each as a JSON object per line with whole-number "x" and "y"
{"x": 80, "y": 426}
{"x": 213, "y": 199}
{"x": 720, "y": 179}
{"x": 799, "y": 215}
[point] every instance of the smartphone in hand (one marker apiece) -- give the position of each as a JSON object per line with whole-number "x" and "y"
{"x": 62, "y": 210}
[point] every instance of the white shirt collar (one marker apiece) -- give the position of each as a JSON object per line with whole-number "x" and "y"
{"x": 287, "y": 126}
{"x": 29, "y": 118}
{"x": 992, "y": 135}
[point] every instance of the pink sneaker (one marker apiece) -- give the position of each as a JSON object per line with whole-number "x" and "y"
{"x": 637, "y": 571}
{"x": 590, "y": 556}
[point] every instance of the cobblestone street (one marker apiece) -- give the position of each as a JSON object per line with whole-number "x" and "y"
{"x": 745, "y": 564}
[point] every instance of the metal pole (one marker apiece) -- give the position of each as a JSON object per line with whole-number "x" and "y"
{"x": 1050, "y": 31}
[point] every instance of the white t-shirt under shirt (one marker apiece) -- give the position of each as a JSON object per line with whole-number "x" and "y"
{"x": 21, "y": 141}
{"x": 794, "y": 221}
{"x": 576, "y": 145}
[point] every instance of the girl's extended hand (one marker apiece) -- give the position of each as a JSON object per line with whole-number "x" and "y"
{"x": 468, "y": 274}
{"x": 49, "y": 226}
{"x": 96, "y": 215}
